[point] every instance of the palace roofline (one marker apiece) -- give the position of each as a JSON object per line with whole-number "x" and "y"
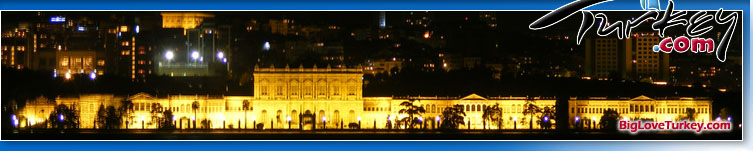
{"x": 301, "y": 69}
{"x": 467, "y": 97}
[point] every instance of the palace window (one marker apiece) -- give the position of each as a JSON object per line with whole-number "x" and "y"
{"x": 280, "y": 90}
{"x": 336, "y": 90}
{"x": 264, "y": 90}
{"x": 293, "y": 88}
{"x": 64, "y": 61}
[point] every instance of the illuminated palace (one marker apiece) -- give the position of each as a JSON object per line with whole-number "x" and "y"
{"x": 331, "y": 98}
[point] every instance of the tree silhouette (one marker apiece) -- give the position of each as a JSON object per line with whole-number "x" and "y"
{"x": 166, "y": 122}
{"x": 113, "y": 119}
{"x": 156, "y": 112}
{"x": 492, "y": 114}
{"x": 531, "y": 109}
{"x": 64, "y": 117}
{"x": 547, "y": 114}
{"x": 195, "y": 106}
{"x": 412, "y": 111}
{"x": 609, "y": 119}
{"x": 452, "y": 117}
{"x": 101, "y": 117}
{"x": 690, "y": 114}
{"x": 246, "y": 106}
{"x": 126, "y": 111}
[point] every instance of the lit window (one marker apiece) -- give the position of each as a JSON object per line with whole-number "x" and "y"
{"x": 123, "y": 28}
{"x": 64, "y": 61}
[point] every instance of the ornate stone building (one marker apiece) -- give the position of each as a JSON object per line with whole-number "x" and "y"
{"x": 331, "y": 98}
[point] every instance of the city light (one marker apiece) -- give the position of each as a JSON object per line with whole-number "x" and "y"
{"x": 224, "y": 60}
{"x": 14, "y": 119}
{"x": 729, "y": 118}
{"x": 220, "y": 55}
{"x": 68, "y": 75}
{"x": 136, "y": 29}
{"x": 289, "y": 118}
{"x": 195, "y": 55}
{"x": 61, "y": 117}
{"x": 426, "y": 35}
{"x": 359, "y": 118}
{"x": 324, "y": 119}
{"x": 267, "y": 45}
{"x": 92, "y": 75}
{"x": 390, "y": 118}
{"x": 175, "y": 118}
{"x": 57, "y": 19}
{"x": 546, "y": 118}
{"x": 420, "y": 119}
{"x": 169, "y": 55}
{"x": 436, "y": 118}
{"x": 514, "y": 118}
{"x": 577, "y": 119}
{"x": 718, "y": 118}
{"x": 660, "y": 83}
{"x": 81, "y": 28}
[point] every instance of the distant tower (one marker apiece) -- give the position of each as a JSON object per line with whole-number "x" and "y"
{"x": 382, "y": 20}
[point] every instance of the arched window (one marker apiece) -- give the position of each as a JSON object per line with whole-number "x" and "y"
{"x": 321, "y": 88}
{"x": 322, "y": 118}
{"x": 308, "y": 88}
{"x": 352, "y": 87}
{"x": 280, "y": 90}
{"x": 279, "y": 118}
{"x": 294, "y": 88}
{"x": 336, "y": 118}
{"x": 264, "y": 87}
{"x": 263, "y": 117}
{"x": 336, "y": 86}
{"x": 352, "y": 116}
{"x": 294, "y": 118}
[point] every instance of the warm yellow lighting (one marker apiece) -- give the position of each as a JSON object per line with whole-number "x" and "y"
{"x": 660, "y": 83}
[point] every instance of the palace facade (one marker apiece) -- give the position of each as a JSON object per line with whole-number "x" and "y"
{"x": 331, "y": 98}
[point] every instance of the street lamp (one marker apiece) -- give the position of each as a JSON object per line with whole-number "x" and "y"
{"x": 267, "y": 46}
{"x": 14, "y": 119}
{"x": 546, "y": 118}
{"x": 169, "y": 55}
{"x": 220, "y": 55}
{"x": 324, "y": 122}
{"x": 61, "y": 117}
{"x": 359, "y": 122}
{"x": 288, "y": 122}
{"x": 92, "y": 75}
{"x": 195, "y": 55}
